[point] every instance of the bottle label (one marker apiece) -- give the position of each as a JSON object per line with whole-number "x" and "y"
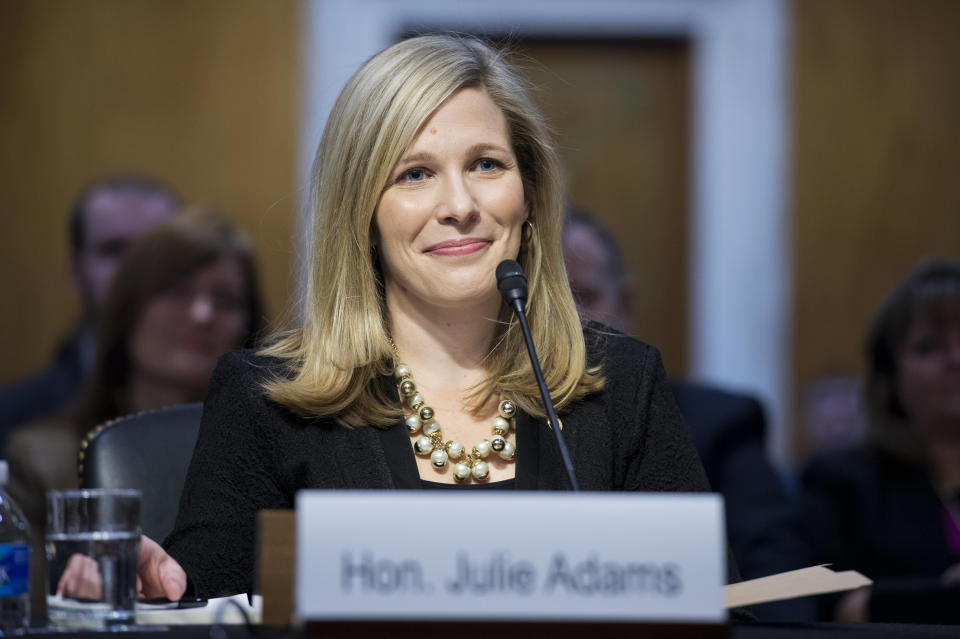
{"x": 14, "y": 569}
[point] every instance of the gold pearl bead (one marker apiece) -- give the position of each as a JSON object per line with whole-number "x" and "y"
{"x": 507, "y": 409}
{"x": 461, "y": 471}
{"x": 426, "y": 413}
{"x": 407, "y": 388}
{"x": 480, "y": 471}
{"x": 424, "y": 445}
{"x": 416, "y": 401}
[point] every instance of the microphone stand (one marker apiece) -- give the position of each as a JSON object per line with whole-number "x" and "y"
{"x": 513, "y": 287}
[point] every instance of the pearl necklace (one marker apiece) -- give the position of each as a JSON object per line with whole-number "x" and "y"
{"x": 430, "y": 443}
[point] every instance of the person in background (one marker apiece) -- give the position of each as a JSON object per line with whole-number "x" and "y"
{"x": 106, "y": 218}
{"x": 891, "y": 508}
{"x": 184, "y": 294}
{"x": 727, "y": 428}
{"x": 598, "y": 278}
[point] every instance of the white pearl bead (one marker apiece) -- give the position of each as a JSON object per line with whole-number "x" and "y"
{"x": 482, "y": 448}
{"x": 438, "y": 458}
{"x": 481, "y": 470}
{"x": 416, "y": 401}
{"x": 413, "y": 423}
{"x": 461, "y": 471}
{"x": 454, "y": 449}
{"x": 501, "y": 425}
{"x": 401, "y": 371}
{"x": 508, "y": 452}
{"x": 432, "y": 427}
{"x": 424, "y": 445}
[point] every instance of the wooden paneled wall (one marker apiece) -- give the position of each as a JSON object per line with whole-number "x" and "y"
{"x": 620, "y": 109}
{"x": 877, "y": 159}
{"x": 202, "y": 93}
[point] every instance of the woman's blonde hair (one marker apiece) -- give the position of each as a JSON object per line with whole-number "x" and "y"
{"x": 336, "y": 360}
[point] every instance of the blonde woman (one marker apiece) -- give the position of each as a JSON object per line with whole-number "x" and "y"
{"x": 434, "y": 166}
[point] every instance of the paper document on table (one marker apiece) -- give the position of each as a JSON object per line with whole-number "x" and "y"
{"x": 222, "y": 610}
{"x": 815, "y": 580}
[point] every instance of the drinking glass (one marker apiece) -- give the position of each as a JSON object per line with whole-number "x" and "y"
{"x": 92, "y": 546}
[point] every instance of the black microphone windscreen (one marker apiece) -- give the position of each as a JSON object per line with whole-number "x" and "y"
{"x": 508, "y": 268}
{"x": 511, "y": 282}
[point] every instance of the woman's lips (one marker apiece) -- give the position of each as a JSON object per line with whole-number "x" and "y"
{"x": 458, "y": 247}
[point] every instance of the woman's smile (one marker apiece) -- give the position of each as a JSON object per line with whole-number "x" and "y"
{"x": 457, "y": 247}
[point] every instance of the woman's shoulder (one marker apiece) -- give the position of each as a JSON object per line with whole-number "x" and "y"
{"x": 849, "y": 466}
{"x": 615, "y": 351}
{"x": 242, "y": 377}
{"x": 43, "y": 454}
{"x": 249, "y": 365}
{"x": 41, "y": 435}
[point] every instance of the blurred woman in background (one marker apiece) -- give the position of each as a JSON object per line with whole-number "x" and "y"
{"x": 186, "y": 293}
{"x": 891, "y": 509}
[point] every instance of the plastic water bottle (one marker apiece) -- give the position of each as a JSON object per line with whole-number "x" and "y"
{"x": 14, "y": 563}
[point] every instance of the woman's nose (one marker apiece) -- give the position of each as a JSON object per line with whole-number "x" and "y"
{"x": 458, "y": 204}
{"x": 201, "y": 309}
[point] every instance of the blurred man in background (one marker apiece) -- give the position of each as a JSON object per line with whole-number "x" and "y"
{"x": 727, "y": 429}
{"x": 104, "y": 220}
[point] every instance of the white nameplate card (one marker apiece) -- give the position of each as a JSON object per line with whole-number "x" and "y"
{"x": 446, "y": 555}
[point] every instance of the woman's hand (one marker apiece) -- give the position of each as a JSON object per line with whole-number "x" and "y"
{"x": 158, "y": 574}
{"x": 81, "y": 579}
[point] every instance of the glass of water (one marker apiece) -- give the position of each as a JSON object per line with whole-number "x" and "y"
{"x": 92, "y": 546}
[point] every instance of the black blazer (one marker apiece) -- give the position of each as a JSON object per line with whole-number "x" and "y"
{"x": 763, "y": 529}
{"x": 253, "y": 454}
{"x": 867, "y": 511}
{"x": 870, "y": 512}
{"x": 46, "y": 392}
{"x": 728, "y": 432}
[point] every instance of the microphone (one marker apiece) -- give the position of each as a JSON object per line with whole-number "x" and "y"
{"x": 512, "y": 284}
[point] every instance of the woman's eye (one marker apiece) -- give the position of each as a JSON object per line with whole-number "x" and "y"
{"x": 178, "y": 291}
{"x": 486, "y": 164}
{"x": 413, "y": 175}
{"x": 224, "y": 301}
{"x": 926, "y": 345}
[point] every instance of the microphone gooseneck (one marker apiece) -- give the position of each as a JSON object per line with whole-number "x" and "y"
{"x": 512, "y": 284}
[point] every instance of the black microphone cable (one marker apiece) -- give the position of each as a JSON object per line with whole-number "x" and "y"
{"x": 512, "y": 284}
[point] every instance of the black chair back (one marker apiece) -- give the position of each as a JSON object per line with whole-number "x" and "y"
{"x": 149, "y": 451}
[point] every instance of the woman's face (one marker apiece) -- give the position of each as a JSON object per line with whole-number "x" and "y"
{"x": 453, "y": 208}
{"x": 183, "y": 330}
{"x": 928, "y": 374}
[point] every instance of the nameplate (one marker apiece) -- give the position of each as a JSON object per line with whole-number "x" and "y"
{"x": 404, "y": 555}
